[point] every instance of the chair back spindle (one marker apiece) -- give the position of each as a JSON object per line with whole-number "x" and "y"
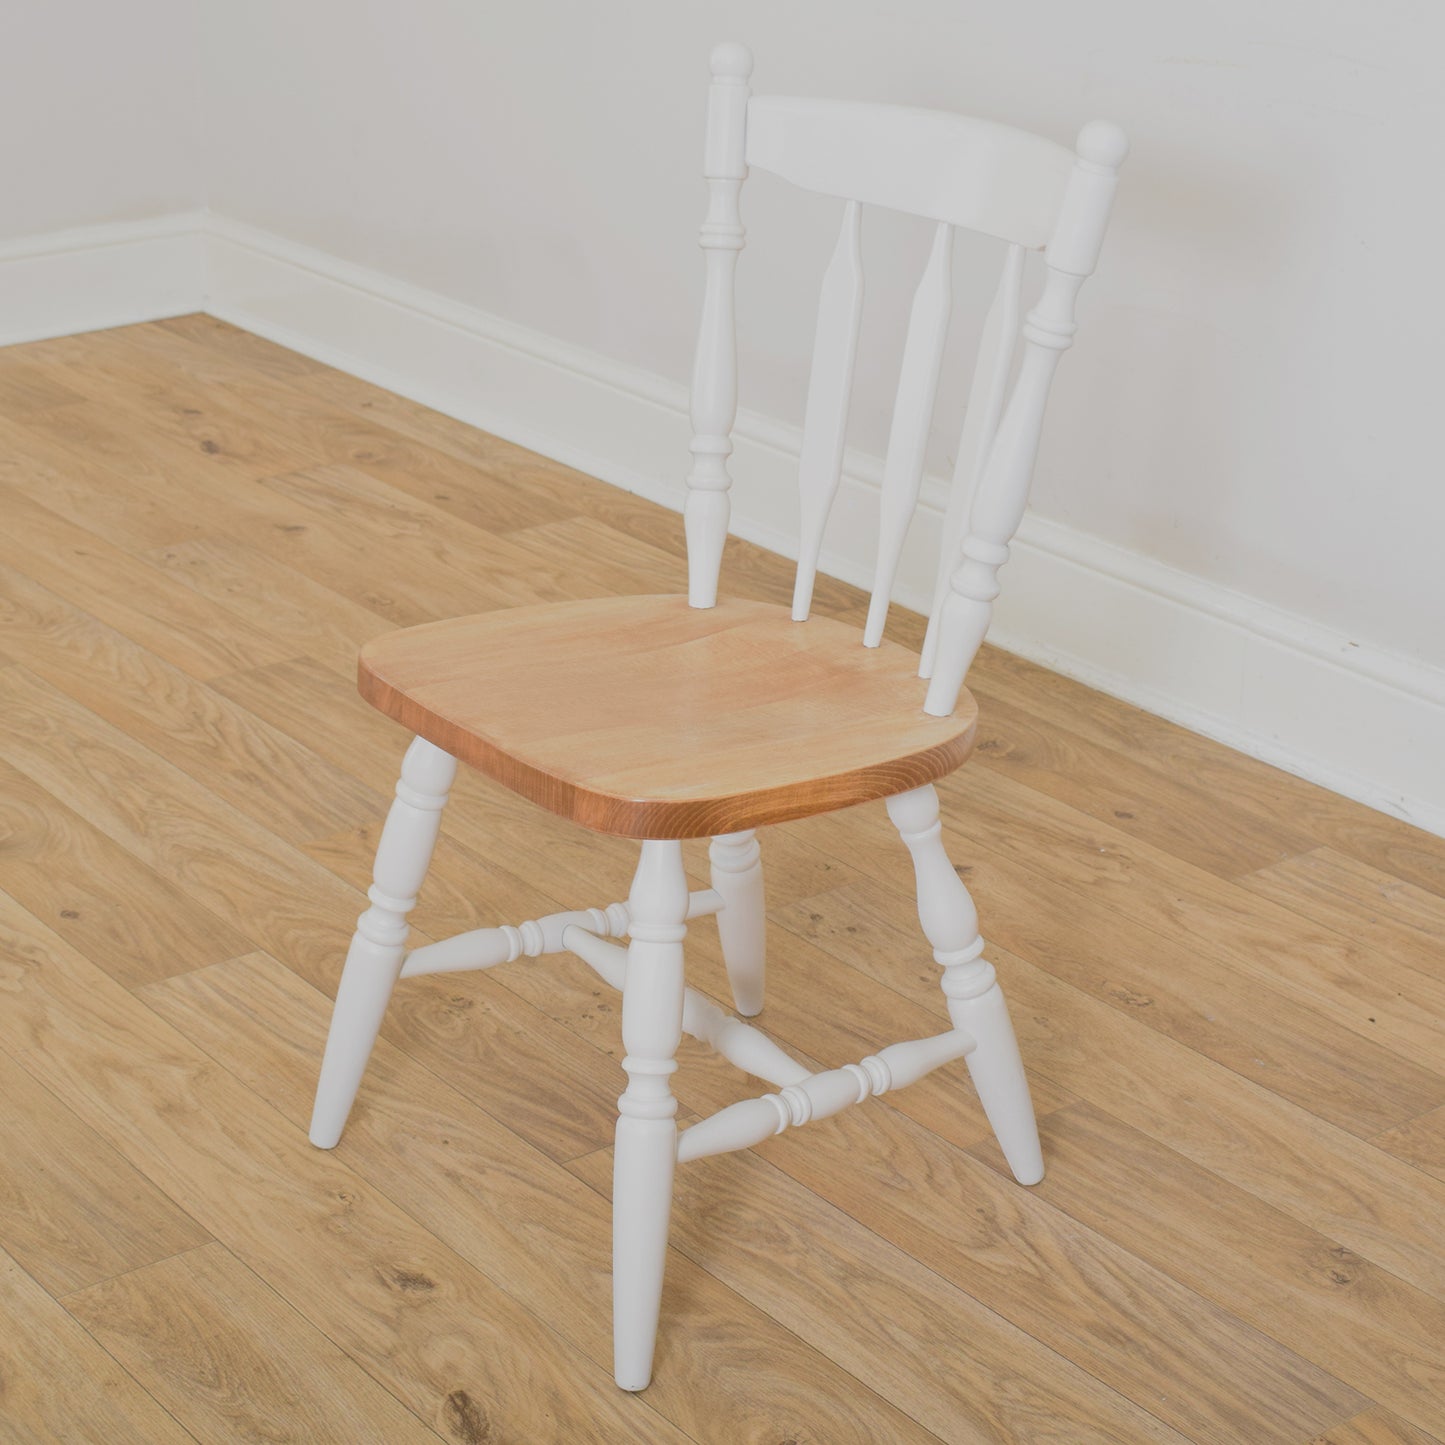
{"x": 912, "y": 414}
{"x": 825, "y": 422}
{"x": 960, "y": 173}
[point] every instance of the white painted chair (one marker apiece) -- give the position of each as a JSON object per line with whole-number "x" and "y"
{"x": 641, "y": 717}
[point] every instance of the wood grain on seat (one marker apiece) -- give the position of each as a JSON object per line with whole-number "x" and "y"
{"x": 647, "y": 718}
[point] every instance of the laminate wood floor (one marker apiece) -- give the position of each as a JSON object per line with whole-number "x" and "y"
{"x": 1228, "y": 985}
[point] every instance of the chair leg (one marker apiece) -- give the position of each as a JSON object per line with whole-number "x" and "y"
{"x": 379, "y": 944}
{"x": 737, "y": 874}
{"x": 975, "y": 1001}
{"x": 646, "y": 1151}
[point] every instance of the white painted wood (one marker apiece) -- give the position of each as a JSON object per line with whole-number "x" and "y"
{"x": 912, "y": 413}
{"x": 739, "y": 1126}
{"x": 737, "y": 878}
{"x": 975, "y": 1000}
{"x": 607, "y": 960}
{"x": 646, "y": 1148}
{"x": 830, "y": 385}
{"x": 715, "y": 367}
{"x": 908, "y": 1062}
{"x": 487, "y": 947}
{"x": 970, "y": 173}
{"x": 374, "y": 959}
{"x": 702, "y": 903}
{"x": 980, "y": 424}
{"x": 1003, "y": 488}
{"x": 820, "y": 1096}
{"x": 702, "y": 1019}
{"x": 741, "y": 1044}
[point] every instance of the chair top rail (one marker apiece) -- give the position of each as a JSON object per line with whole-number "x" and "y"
{"x": 978, "y": 174}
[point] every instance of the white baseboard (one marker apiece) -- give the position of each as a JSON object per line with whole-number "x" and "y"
{"x": 1268, "y": 682}
{"x": 95, "y": 277}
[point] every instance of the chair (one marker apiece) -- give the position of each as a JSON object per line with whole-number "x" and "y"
{"x": 664, "y": 718}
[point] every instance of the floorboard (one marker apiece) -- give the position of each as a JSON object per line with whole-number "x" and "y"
{"x": 1229, "y": 986}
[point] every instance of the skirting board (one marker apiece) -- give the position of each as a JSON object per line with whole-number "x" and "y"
{"x": 95, "y": 277}
{"x": 1274, "y": 685}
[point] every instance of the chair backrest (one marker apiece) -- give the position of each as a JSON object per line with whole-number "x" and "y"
{"x": 958, "y": 172}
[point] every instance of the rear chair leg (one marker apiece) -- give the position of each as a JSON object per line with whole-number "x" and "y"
{"x": 379, "y": 944}
{"x": 975, "y": 1001}
{"x": 646, "y": 1151}
{"x": 737, "y": 874}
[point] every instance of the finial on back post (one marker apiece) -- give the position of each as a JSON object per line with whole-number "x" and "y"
{"x": 730, "y": 61}
{"x": 1099, "y": 152}
{"x": 1101, "y": 143}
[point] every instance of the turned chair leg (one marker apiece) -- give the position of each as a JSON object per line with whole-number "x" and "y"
{"x": 975, "y": 1001}
{"x": 737, "y": 875}
{"x": 646, "y": 1153}
{"x": 378, "y": 946}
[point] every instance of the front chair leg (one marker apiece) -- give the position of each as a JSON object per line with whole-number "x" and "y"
{"x": 975, "y": 1001}
{"x": 646, "y": 1150}
{"x": 379, "y": 944}
{"x": 737, "y": 875}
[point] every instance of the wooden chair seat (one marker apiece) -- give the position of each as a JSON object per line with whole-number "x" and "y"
{"x": 647, "y": 718}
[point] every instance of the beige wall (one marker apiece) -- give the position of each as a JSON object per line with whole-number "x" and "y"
{"x": 1252, "y": 399}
